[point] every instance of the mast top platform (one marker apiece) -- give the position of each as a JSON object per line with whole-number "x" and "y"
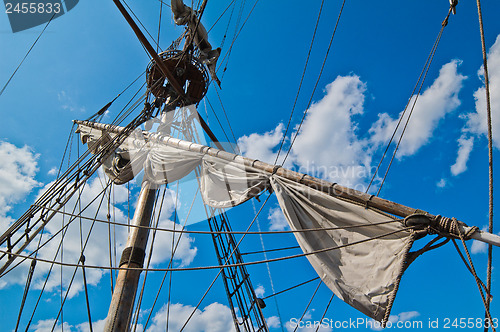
{"x": 188, "y": 71}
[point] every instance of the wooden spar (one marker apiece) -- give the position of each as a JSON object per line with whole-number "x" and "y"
{"x": 312, "y": 182}
{"x": 209, "y": 132}
{"x": 150, "y": 49}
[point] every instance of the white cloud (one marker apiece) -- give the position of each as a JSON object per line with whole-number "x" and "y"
{"x": 409, "y": 315}
{"x": 52, "y": 171}
{"x": 261, "y": 147}
{"x": 46, "y": 326}
{"x": 215, "y": 317}
{"x": 182, "y": 243}
{"x": 273, "y": 322}
{"x": 328, "y": 145}
{"x": 479, "y": 247}
{"x": 95, "y": 253}
{"x": 307, "y": 326}
{"x": 432, "y": 105}
{"x": 17, "y": 177}
{"x": 259, "y": 291}
{"x": 441, "y": 183}
{"x": 184, "y": 251}
{"x": 465, "y": 146}
{"x": 68, "y": 102}
{"x": 394, "y": 319}
{"x": 277, "y": 219}
{"x": 73, "y": 239}
{"x": 96, "y": 326}
{"x": 477, "y": 121}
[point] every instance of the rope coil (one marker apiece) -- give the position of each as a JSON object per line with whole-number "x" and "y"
{"x": 443, "y": 226}
{"x": 451, "y": 227}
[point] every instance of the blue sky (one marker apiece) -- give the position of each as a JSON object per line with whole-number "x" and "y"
{"x": 89, "y": 55}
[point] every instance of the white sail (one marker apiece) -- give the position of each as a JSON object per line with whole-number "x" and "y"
{"x": 367, "y": 258}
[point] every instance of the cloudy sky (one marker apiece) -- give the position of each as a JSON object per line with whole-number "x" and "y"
{"x": 86, "y": 57}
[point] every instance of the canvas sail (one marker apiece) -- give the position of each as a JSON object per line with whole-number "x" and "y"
{"x": 359, "y": 253}
{"x": 372, "y": 247}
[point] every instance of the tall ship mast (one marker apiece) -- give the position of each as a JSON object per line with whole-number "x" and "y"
{"x": 144, "y": 186}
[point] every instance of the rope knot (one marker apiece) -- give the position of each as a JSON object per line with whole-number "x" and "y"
{"x": 451, "y": 227}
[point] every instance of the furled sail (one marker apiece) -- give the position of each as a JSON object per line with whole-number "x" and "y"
{"x": 369, "y": 248}
{"x": 123, "y": 163}
{"x": 359, "y": 253}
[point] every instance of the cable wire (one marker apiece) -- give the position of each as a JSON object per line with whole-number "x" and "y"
{"x": 214, "y": 267}
{"x": 26, "y": 55}
{"x": 428, "y": 64}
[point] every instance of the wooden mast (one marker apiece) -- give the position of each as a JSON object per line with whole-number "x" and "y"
{"x": 123, "y": 298}
{"x": 122, "y": 302}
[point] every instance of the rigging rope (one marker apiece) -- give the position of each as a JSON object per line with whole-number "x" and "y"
{"x": 306, "y": 230}
{"x": 420, "y": 82}
{"x": 82, "y": 260}
{"x": 172, "y": 256}
{"x": 171, "y": 261}
{"x": 269, "y": 250}
{"x": 145, "y": 29}
{"x": 25, "y": 294}
{"x": 46, "y": 278}
{"x": 225, "y": 114}
{"x": 228, "y": 53}
{"x": 301, "y": 80}
{"x": 60, "y": 191}
{"x": 212, "y": 267}
{"x": 307, "y": 306}
{"x": 159, "y": 27}
{"x": 155, "y": 209}
{"x": 473, "y": 270}
{"x": 221, "y": 15}
{"x": 324, "y": 313}
{"x": 290, "y": 288}
{"x": 468, "y": 266}
{"x": 218, "y": 121}
{"x": 108, "y": 105}
{"x": 64, "y": 230}
{"x": 317, "y": 82}
{"x": 235, "y": 35}
{"x": 268, "y": 268}
{"x": 26, "y": 55}
{"x": 108, "y": 216}
{"x": 490, "y": 153}
{"x": 221, "y": 267}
